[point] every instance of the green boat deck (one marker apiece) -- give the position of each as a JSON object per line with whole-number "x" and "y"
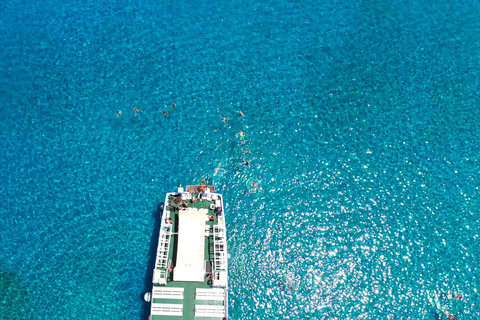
{"x": 188, "y": 301}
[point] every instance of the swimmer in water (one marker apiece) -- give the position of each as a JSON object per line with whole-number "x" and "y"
{"x": 216, "y": 171}
{"x": 246, "y": 163}
{"x": 174, "y": 106}
{"x": 136, "y": 110}
{"x": 449, "y": 315}
{"x": 289, "y": 282}
{"x": 119, "y": 112}
{"x": 247, "y": 152}
{"x": 254, "y": 184}
{"x": 456, "y": 296}
{"x": 242, "y": 135}
{"x": 165, "y": 113}
{"x": 224, "y": 119}
{"x": 241, "y": 114}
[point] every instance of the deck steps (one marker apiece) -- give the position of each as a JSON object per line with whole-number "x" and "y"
{"x": 210, "y": 294}
{"x": 167, "y": 309}
{"x": 210, "y": 311}
{"x": 167, "y": 293}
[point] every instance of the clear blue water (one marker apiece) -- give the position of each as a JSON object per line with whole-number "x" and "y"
{"x": 362, "y": 118}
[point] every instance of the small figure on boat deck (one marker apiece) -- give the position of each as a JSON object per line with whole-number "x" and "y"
{"x": 174, "y": 106}
{"x": 210, "y": 275}
{"x": 185, "y": 204}
{"x": 168, "y": 220}
{"x": 165, "y": 113}
{"x": 202, "y": 182}
{"x": 212, "y": 218}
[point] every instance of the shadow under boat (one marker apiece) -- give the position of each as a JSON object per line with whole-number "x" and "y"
{"x": 152, "y": 253}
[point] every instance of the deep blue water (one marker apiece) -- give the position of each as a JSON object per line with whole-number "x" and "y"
{"x": 362, "y": 119}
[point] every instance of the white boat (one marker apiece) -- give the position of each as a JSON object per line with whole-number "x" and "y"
{"x": 190, "y": 279}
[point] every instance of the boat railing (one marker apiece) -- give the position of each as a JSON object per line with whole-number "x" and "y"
{"x": 219, "y": 248}
{"x": 161, "y": 263}
{"x": 163, "y": 246}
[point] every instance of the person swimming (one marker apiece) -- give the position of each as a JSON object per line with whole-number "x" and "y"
{"x": 289, "y": 283}
{"x": 136, "y": 110}
{"x": 449, "y": 315}
{"x": 241, "y": 134}
{"x": 455, "y": 295}
{"x": 245, "y": 162}
{"x": 119, "y": 112}
{"x": 241, "y": 113}
{"x": 165, "y": 113}
{"x": 174, "y": 106}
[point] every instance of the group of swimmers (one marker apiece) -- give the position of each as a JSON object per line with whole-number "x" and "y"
{"x": 451, "y": 295}
{"x": 165, "y": 112}
{"x": 137, "y": 111}
{"x": 241, "y": 135}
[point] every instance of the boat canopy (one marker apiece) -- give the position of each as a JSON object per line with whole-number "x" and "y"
{"x": 190, "y": 264}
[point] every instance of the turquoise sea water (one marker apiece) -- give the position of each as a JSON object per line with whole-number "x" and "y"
{"x": 362, "y": 119}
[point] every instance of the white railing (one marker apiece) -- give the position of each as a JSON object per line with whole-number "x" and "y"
{"x": 163, "y": 246}
{"x": 219, "y": 248}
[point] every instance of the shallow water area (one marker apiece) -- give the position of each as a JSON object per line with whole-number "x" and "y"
{"x": 361, "y": 134}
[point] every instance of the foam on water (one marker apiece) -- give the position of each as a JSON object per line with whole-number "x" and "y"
{"x": 360, "y": 119}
